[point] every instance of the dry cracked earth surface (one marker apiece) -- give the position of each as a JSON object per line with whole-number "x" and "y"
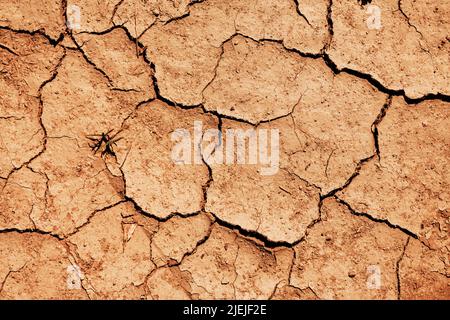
{"x": 359, "y": 207}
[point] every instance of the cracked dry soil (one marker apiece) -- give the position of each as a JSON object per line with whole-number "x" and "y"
{"x": 364, "y": 177}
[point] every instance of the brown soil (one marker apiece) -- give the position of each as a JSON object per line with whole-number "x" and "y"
{"x": 364, "y": 174}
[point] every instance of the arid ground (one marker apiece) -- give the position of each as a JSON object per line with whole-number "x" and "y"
{"x": 358, "y": 206}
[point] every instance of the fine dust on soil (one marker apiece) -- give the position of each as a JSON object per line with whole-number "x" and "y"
{"x": 359, "y": 208}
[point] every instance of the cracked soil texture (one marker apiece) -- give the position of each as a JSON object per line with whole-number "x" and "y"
{"x": 357, "y": 208}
